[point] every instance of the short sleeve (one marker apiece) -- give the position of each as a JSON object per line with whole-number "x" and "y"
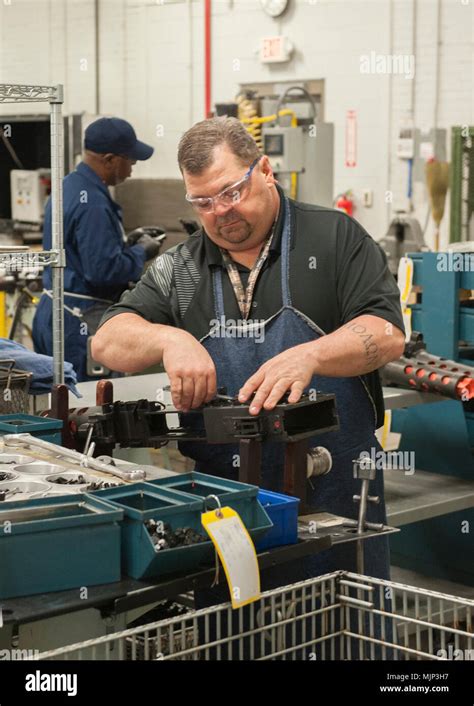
{"x": 365, "y": 284}
{"x": 151, "y": 296}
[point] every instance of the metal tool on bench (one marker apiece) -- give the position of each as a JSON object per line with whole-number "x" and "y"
{"x": 364, "y": 470}
{"x": 83, "y": 460}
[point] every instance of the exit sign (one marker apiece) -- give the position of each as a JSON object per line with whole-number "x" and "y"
{"x": 275, "y": 49}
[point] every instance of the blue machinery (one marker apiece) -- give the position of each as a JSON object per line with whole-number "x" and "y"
{"x": 441, "y": 434}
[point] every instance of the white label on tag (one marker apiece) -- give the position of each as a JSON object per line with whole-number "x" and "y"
{"x": 389, "y": 440}
{"x": 238, "y": 556}
{"x": 406, "y": 313}
{"x": 392, "y": 442}
{"x": 405, "y": 278}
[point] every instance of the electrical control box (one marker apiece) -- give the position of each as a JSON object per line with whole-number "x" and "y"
{"x": 307, "y": 151}
{"x": 30, "y": 189}
{"x": 406, "y": 141}
{"x": 284, "y": 148}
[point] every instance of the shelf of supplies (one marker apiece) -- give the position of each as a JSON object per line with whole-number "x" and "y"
{"x": 19, "y": 93}
{"x": 28, "y": 93}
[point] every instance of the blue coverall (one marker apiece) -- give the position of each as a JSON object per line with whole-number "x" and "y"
{"x": 98, "y": 263}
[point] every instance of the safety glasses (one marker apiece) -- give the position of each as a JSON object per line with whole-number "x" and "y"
{"x": 227, "y": 197}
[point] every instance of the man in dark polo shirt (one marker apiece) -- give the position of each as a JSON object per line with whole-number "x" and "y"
{"x": 269, "y": 297}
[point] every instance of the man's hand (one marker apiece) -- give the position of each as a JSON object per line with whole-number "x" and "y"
{"x": 190, "y": 369}
{"x": 150, "y": 245}
{"x": 152, "y": 231}
{"x": 356, "y": 348}
{"x": 291, "y": 370}
{"x": 150, "y": 238}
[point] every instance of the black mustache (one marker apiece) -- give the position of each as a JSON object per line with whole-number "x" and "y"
{"x": 228, "y": 220}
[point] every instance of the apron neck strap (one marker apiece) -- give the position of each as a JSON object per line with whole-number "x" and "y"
{"x": 285, "y": 254}
{"x": 218, "y": 293}
{"x": 285, "y": 268}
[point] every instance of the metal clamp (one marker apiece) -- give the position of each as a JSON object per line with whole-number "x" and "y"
{"x": 364, "y": 470}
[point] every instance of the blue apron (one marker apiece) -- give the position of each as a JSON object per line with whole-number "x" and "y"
{"x": 236, "y": 359}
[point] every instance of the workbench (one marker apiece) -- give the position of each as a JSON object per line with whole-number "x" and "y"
{"x": 49, "y": 620}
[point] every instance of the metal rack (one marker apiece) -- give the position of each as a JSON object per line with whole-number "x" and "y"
{"x": 338, "y": 616}
{"x": 17, "y": 93}
{"x": 462, "y": 182}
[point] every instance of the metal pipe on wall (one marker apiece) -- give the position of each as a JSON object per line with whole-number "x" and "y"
{"x": 207, "y": 58}
{"x": 97, "y": 50}
{"x": 414, "y": 52}
{"x": 57, "y": 269}
{"x": 390, "y": 121}
{"x": 438, "y": 63}
{"x": 191, "y": 53}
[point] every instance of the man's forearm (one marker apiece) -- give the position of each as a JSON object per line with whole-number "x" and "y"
{"x": 364, "y": 344}
{"x": 129, "y": 344}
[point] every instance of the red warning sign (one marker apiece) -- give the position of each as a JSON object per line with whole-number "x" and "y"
{"x": 351, "y": 138}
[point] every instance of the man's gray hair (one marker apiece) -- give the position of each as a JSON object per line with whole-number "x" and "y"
{"x": 195, "y": 150}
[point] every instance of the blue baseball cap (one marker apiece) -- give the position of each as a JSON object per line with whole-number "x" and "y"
{"x": 116, "y": 136}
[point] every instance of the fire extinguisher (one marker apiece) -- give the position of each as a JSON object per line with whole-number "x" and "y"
{"x": 344, "y": 202}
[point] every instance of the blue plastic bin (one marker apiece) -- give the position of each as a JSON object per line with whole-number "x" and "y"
{"x": 42, "y": 427}
{"x": 144, "y": 497}
{"x": 141, "y": 502}
{"x": 283, "y": 512}
{"x": 139, "y": 558}
{"x": 57, "y": 543}
{"x": 241, "y": 497}
{"x": 202, "y": 484}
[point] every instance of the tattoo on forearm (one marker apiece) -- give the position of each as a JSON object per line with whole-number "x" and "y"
{"x": 371, "y": 348}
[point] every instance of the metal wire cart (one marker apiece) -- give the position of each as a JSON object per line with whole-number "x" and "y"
{"x": 338, "y": 616}
{"x": 14, "y": 386}
{"x": 20, "y": 93}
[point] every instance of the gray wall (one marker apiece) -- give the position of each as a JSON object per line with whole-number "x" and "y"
{"x": 151, "y": 71}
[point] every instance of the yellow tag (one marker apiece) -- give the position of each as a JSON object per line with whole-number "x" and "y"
{"x": 236, "y": 552}
{"x": 405, "y": 285}
{"x": 387, "y": 423}
{"x": 405, "y": 278}
{"x": 388, "y": 439}
{"x": 406, "y": 313}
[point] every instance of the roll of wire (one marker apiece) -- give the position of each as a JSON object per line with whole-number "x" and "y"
{"x": 248, "y": 115}
{"x": 319, "y": 462}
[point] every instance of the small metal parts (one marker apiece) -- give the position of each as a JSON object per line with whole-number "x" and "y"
{"x": 164, "y": 537}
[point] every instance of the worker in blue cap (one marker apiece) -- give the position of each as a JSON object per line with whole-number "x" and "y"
{"x": 100, "y": 260}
